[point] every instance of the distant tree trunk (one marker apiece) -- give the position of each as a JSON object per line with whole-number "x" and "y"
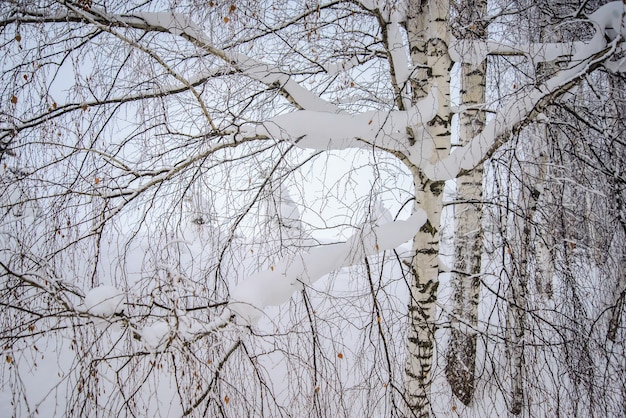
{"x": 522, "y": 248}
{"x": 461, "y": 355}
{"x": 515, "y": 326}
{"x": 618, "y": 96}
{"x": 428, "y": 32}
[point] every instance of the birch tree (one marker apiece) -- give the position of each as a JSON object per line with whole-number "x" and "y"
{"x": 159, "y": 235}
{"x": 470, "y": 26}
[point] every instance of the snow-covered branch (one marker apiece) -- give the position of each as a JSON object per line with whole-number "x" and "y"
{"x": 525, "y": 104}
{"x": 326, "y": 130}
{"x": 388, "y": 130}
{"x": 608, "y": 21}
{"x": 182, "y": 25}
{"x": 277, "y": 285}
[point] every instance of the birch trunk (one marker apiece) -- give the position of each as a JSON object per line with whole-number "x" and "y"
{"x": 523, "y": 243}
{"x": 517, "y": 293}
{"x": 515, "y": 330}
{"x": 427, "y": 27}
{"x": 523, "y": 248}
{"x": 461, "y": 355}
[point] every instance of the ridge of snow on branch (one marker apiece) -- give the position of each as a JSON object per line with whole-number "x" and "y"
{"x": 526, "y": 105}
{"x": 180, "y": 25}
{"x": 325, "y": 130}
{"x": 609, "y": 21}
{"x": 387, "y": 130}
{"x": 274, "y": 287}
{"x": 249, "y": 66}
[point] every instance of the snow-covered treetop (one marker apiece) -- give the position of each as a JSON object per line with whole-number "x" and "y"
{"x": 320, "y": 124}
{"x": 311, "y": 119}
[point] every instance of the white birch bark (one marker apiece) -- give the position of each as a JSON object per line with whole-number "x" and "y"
{"x": 461, "y": 355}
{"x": 427, "y": 26}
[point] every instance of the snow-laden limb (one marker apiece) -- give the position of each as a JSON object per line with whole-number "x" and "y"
{"x": 174, "y": 23}
{"x": 397, "y": 49}
{"x": 277, "y": 285}
{"x": 521, "y": 108}
{"x": 103, "y": 302}
{"x": 527, "y": 104}
{"x": 182, "y": 25}
{"x": 396, "y": 45}
{"x": 270, "y": 75}
{"x": 474, "y": 52}
{"x": 155, "y": 335}
{"x": 326, "y": 130}
{"x": 609, "y": 21}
